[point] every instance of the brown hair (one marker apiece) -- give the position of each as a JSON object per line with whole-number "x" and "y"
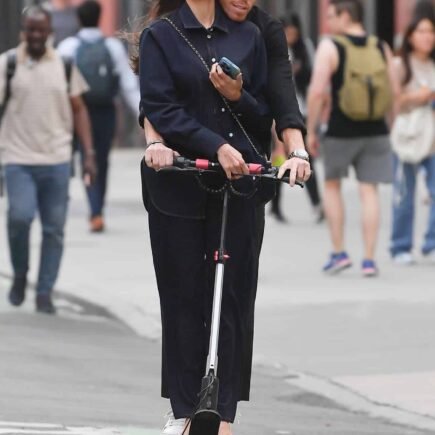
{"x": 407, "y": 48}
{"x": 354, "y": 8}
{"x": 158, "y": 8}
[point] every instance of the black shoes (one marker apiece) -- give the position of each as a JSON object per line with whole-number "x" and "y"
{"x": 17, "y": 293}
{"x": 44, "y": 304}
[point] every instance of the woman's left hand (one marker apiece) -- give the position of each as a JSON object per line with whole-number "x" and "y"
{"x": 300, "y": 170}
{"x": 225, "y": 85}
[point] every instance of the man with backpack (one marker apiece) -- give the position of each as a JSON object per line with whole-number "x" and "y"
{"x": 104, "y": 64}
{"x": 40, "y": 95}
{"x": 358, "y": 69}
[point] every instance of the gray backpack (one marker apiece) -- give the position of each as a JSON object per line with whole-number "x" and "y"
{"x": 96, "y": 65}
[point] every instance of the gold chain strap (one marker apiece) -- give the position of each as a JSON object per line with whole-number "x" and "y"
{"x": 208, "y": 70}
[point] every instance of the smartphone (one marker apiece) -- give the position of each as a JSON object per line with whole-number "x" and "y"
{"x": 229, "y": 68}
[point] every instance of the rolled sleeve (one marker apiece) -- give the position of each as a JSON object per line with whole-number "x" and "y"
{"x": 162, "y": 108}
{"x": 280, "y": 88}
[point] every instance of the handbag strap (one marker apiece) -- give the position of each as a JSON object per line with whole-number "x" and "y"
{"x": 198, "y": 54}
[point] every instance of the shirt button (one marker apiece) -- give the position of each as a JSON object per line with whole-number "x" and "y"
{"x": 208, "y": 36}
{"x": 213, "y": 59}
{"x": 231, "y": 135}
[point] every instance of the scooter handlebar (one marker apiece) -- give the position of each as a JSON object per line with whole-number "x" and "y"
{"x": 183, "y": 163}
{"x": 207, "y": 165}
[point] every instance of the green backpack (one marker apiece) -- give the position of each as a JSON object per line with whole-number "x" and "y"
{"x": 366, "y": 92}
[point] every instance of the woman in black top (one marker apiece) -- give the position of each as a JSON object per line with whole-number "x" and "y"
{"x": 181, "y": 103}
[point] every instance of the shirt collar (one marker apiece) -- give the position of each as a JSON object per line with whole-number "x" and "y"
{"x": 22, "y": 54}
{"x": 190, "y": 21}
{"x": 90, "y": 33}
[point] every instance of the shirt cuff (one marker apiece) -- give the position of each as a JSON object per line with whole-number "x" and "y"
{"x": 207, "y": 142}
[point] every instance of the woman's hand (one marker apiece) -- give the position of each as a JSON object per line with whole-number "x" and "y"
{"x": 225, "y": 85}
{"x": 231, "y": 161}
{"x": 159, "y": 156}
{"x": 300, "y": 170}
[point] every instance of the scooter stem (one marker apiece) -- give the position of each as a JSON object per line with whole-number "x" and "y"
{"x": 220, "y": 258}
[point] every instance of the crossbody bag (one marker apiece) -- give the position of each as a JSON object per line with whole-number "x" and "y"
{"x": 225, "y": 101}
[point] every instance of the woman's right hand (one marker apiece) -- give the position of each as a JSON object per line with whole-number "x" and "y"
{"x": 231, "y": 161}
{"x": 158, "y": 156}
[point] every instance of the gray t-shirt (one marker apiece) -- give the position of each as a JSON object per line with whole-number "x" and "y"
{"x": 65, "y": 24}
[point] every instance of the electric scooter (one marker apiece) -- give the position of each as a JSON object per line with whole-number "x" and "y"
{"x": 206, "y": 419}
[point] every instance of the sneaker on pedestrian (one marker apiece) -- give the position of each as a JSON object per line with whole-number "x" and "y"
{"x": 369, "y": 268}
{"x": 404, "y": 259}
{"x": 44, "y": 304}
{"x": 174, "y": 426}
{"x": 17, "y": 294}
{"x": 337, "y": 263}
{"x": 97, "y": 224}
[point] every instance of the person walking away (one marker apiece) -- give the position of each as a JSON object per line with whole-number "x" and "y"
{"x": 359, "y": 70}
{"x": 301, "y": 52}
{"x": 35, "y": 139}
{"x": 63, "y": 19}
{"x": 105, "y": 66}
{"x": 413, "y": 138}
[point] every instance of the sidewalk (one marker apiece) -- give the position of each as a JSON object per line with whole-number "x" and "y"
{"x": 90, "y": 375}
{"x": 367, "y": 336}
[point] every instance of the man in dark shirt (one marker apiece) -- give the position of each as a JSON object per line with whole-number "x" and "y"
{"x": 281, "y": 97}
{"x": 363, "y": 144}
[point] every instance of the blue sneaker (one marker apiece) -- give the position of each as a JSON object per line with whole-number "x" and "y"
{"x": 337, "y": 263}
{"x": 369, "y": 268}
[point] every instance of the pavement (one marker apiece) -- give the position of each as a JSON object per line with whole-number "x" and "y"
{"x": 333, "y": 355}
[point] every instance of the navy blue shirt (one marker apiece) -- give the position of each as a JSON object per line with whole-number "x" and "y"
{"x": 182, "y": 104}
{"x": 178, "y": 97}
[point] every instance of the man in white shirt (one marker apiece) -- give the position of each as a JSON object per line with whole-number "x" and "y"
{"x": 104, "y": 64}
{"x": 42, "y": 102}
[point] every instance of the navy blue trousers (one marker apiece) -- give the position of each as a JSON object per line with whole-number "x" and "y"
{"x": 183, "y": 260}
{"x": 103, "y": 121}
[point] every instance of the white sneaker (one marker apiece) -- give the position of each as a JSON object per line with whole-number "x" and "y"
{"x": 174, "y": 426}
{"x": 404, "y": 259}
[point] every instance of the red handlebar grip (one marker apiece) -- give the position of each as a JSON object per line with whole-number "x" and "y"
{"x": 202, "y": 164}
{"x": 255, "y": 168}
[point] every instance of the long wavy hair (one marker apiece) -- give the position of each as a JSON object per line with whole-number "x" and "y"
{"x": 158, "y": 8}
{"x": 407, "y": 48}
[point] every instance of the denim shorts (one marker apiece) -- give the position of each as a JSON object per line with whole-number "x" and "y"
{"x": 370, "y": 156}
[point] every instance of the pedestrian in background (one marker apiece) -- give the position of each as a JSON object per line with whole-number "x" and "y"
{"x": 359, "y": 70}
{"x": 413, "y": 138}
{"x": 104, "y": 64}
{"x": 63, "y": 19}
{"x": 301, "y": 53}
{"x": 35, "y": 139}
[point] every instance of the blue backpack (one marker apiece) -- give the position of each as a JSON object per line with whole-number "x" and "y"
{"x": 96, "y": 65}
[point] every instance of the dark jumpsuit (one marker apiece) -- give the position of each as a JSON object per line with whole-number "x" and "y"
{"x": 180, "y": 102}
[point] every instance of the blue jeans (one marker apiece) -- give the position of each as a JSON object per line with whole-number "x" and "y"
{"x": 404, "y": 205}
{"x": 43, "y": 189}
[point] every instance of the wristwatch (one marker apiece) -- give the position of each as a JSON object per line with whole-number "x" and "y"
{"x": 300, "y": 154}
